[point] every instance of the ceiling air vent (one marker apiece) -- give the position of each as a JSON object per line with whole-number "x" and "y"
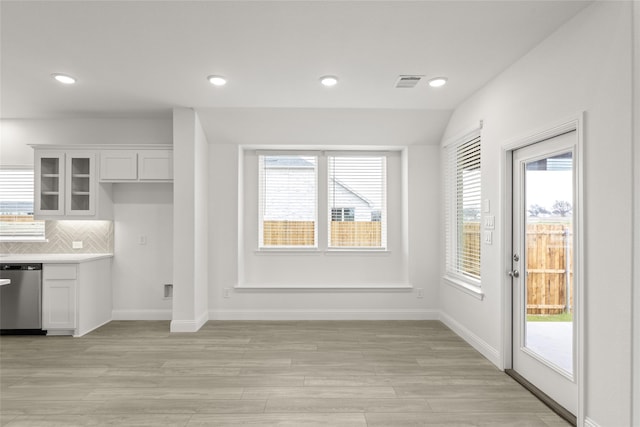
{"x": 408, "y": 81}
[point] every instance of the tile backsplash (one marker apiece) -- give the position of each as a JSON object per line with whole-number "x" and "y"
{"x": 96, "y": 237}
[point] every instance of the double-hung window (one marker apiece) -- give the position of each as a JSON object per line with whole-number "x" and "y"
{"x": 288, "y": 201}
{"x": 16, "y": 206}
{"x": 463, "y": 210}
{"x": 351, "y": 193}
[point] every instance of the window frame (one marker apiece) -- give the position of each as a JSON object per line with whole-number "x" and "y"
{"x": 454, "y": 214}
{"x": 322, "y": 227}
{"x": 25, "y": 238}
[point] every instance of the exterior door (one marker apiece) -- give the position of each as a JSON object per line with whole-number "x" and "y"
{"x": 544, "y": 231}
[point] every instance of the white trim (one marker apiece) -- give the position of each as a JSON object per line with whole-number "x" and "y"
{"x": 588, "y": 422}
{"x": 267, "y": 315}
{"x": 142, "y": 314}
{"x": 572, "y": 123}
{"x": 90, "y": 330}
{"x": 492, "y": 354}
{"x": 189, "y": 325}
{"x": 635, "y": 147}
{"x": 85, "y": 147}
{"x": 321, "y": 287}
{"x": 463, "y": 286}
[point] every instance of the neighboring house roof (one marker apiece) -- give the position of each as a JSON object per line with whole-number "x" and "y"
{"x": 355, "y": 193}
{"x": 297, "y": 162}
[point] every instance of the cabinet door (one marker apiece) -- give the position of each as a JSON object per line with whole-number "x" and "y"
{"x": 58, "y": 304}
{"x": 49, "y": 183}
{"x": 155, "y": 165}
{"x": 80, "y": 180}
{"x": 118, "y": 165}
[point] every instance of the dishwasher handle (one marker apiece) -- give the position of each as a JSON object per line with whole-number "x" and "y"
{"x": 20, "y": 267}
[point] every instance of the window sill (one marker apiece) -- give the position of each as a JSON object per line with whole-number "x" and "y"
{"x": 23, "y": 240}
{"x": 316, "y": 251}
{"x": 327, "y": 287}
{"x": 288, "y": 251}
{"x": 468, "y": 288}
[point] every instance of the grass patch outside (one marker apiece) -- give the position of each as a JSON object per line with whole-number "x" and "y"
{"x": 562, "y": 317}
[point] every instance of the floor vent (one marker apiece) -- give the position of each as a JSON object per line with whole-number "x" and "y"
{"x": 407, "y": 82}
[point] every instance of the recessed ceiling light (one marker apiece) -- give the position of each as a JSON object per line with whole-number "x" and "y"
{"x": 438, "y": 82}
{"x": 217, "y": 80}
{"x": 64, "y": 78}
{"x": 329, "y": 81}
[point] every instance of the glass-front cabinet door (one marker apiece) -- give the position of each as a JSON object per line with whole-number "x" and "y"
{"x": 49, "y": 183}
{"x": 80, "y": 181}
{"x": 65, "y": 184}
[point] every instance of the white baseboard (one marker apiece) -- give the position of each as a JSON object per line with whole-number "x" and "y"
{"x": 141, "y": 314}
{"x": 83, "y": 333}
{"x": 492, "y": 354}
{"x": 324, "y": 315}
{"x": 189, "y": 325}
{"x": 588, "y": 422}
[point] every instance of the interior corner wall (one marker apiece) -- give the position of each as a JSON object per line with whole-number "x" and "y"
{"x": 584, "y": 66}
{"x": 190, "y": 224}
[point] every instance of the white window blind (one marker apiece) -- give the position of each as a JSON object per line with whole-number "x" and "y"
{"x": 288, "y": 201}
{"x": 16, "y": 206}
{"x": 357, "y": 201}
{"x": 463, "y": 200}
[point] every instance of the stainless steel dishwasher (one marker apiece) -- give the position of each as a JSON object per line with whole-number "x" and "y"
{"x": 21, "y": 300}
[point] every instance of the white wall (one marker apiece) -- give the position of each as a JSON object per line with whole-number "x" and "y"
{"x": 190, "y": 225}
{"x": 418, "y": 253}
{"x": 584, "y": 66}
{"x": 140, "y": 271}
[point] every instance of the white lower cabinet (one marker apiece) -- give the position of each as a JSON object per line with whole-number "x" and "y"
{"x": 76, "y": 298}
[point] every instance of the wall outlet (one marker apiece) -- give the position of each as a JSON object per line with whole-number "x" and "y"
{"x": 77, "y": 244}
{"x": 227, "y": 292}
{"x": 419, "y": 293}
{"x": 142, "y": 239}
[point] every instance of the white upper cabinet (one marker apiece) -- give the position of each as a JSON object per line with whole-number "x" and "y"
{"x": 155, "y": 165}
{"x": 65, "y": 184}
{"x": 118, "y": 165}
{"x": 80, "y": 183}
{"x": 49, "y": 183}
{"x": 142, "y": 165}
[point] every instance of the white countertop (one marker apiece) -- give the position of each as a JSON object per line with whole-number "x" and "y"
{"x": 51, "y": 258}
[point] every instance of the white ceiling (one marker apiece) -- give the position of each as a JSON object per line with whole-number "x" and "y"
{"x": 145, "y": 57}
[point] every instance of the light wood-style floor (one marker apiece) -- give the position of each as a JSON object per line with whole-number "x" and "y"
{"x": 356, "y": 373}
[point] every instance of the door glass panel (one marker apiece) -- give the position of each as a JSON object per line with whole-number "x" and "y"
{"x": 549, "y": 260}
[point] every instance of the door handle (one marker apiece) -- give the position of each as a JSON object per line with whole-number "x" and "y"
{"x": 514, "y": 274}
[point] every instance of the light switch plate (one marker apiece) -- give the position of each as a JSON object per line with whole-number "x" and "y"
{"x": 488, "y": 237}
{"x": 486, "y": 206}
{"x": 489, "y": 222}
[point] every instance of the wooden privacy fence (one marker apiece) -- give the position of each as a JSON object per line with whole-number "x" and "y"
{"x": 549, "y": 270}
{"x": 343, "y": 233}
